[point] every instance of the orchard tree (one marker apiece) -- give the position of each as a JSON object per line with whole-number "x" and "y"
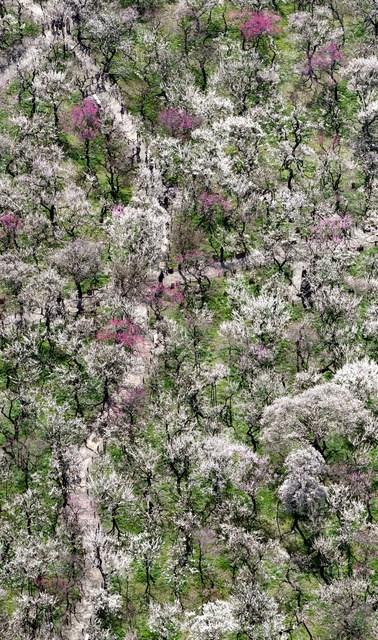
{"x": 81, "y": 260}
{"x": 320, "y": 416}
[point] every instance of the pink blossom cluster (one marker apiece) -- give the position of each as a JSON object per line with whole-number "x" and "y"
{"x": 261, "y": 354}
{"x": 124, "y": 332}
{"x": 210, "y": 200}
{"x": 326, "y": 58}
{"x": 358, "y": 479}
{"x": 333, "y": 227}
{"x": 260, "y": 23}
{"x": 129, "y": 16}
{"x": 10, "y": 222}
{"x": 85, "y": 119}
{"x": 132, "y": 396}
{"x": 118, "y": 210}
{"x": 171, "y": 294}
{"x": 178, "y": 121}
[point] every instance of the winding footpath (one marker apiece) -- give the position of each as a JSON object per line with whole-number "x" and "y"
{"x": 88, "y": 519}
{"x": 87, "y": 516}
{"x": 81, "y": 505}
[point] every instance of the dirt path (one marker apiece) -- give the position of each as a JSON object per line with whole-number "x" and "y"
{"x": 82, "y": 504}
{"x": 88, "y": 519}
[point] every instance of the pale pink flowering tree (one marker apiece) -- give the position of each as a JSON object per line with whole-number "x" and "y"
{"x": 325, "y": 59}
{"x": 333, "y": 228}
{"x": 261, "y": 354}
{"x": 131, "y": 396}
{"x": 214, "y": 206}
{"x": 210, "y": 200}
{"x": 328, "y": 56}
{"x": 178, "y": 121}
{"x": 126, "y": 404}
{"x": 86, "y": 123}
{"x": 329, "y": 146}
{"x": 118, "y": 210}
{"x": 321, "y": 65}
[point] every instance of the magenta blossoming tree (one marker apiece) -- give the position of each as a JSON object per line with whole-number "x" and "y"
{"x": 10, "y": 222}
{"x": 260, "y": 23}
{"x": 85, "y": 119}
{"x": 124, "y": 332}
{"x": 160, "y": 297}
{"x": 9, "y": 226}
{"x": 178, "y": 121}
{"x": 86, "y": 123}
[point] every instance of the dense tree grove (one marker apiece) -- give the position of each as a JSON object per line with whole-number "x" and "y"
{"x": 188, "y": 319}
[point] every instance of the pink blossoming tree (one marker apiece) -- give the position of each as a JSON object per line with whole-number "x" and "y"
{"x": 124, "y": 332}
{"x": 260, "y": 23}
{"x": 10, "y": 222}
{"x": 160, "y": 297}
{"x": 211, "y": 200}
{"x": 212, "y": 207}
{"x": 9, "y": 225}
{"x": 333, "y": 228}
{"x": 325, "y": 59}
{"x": 178, "y": 121}
{"x": 86, "y": 123}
